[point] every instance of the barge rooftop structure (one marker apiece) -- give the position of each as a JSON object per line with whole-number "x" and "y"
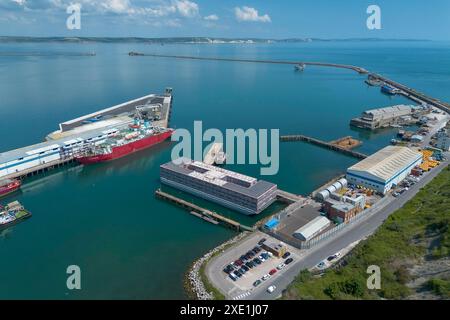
{"x": 230, "y": 189}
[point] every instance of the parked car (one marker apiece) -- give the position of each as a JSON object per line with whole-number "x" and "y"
{"x": 237, "y": 273}
{"x": 250, "y": 264}
{"x": 261, "y": 258}
{"x": 242, "y": 258}
{"x": 395, "y": 194}
{"x": 265, "y": 277}
{"x": 287, "y": 254}
{"x": 289, "y": 260}
{"x": 281, "y": 266}
{"x": 260, "y": 242}
{"x": 245, "y": 267}
{"x": 272, "y": 272}
{"x": 257, "y": 261}
{"x": 271, "y": 289}
{"x": 257, "y": 283}
{"x": 331, "y": 258}
{"x": 229, "y": 268}
{"x": 233, "y": 277}
{"x": 265, "y": 255}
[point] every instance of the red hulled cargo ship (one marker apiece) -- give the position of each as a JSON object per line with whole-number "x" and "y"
{"x": 8, "y": 186}
{"x": 123, "y": 142}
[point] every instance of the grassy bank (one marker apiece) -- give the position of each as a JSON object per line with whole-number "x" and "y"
{"x": 417, "y": 233}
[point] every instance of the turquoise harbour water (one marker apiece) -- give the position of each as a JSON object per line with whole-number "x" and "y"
{"x": 105, "y": 218}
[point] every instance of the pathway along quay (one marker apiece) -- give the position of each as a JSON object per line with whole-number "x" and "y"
{"x": 404, "y": 90}
{"x": 203, "y": 213}
{"x": 320, "y": 143}
{"x": 320, "y": 64}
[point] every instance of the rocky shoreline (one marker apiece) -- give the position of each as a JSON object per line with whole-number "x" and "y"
{"x": 193, "y": 283}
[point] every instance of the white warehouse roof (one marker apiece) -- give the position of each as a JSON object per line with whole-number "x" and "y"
{"x": 312, "y": 227}
{"x": 386, "y": 163}
{"x": 388, "y": 112}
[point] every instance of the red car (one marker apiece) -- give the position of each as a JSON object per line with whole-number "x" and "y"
{"x": 238, "y": 262}
{"x": 272, "y": 272}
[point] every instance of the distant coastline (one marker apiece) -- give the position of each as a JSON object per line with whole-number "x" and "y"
{"x": 185, "y": 40}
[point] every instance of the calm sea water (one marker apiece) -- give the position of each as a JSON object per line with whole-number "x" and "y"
{"x": 105, "y": 218}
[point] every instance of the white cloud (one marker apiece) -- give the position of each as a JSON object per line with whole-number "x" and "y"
{"x": 187, "y": 8}
{"x": 250, "y": 14}
{"x": 116, "y": 6}
{"x": 20, "y": 2}
{"x": 211, "y": 17}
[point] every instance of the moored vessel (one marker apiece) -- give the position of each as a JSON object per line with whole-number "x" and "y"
{"x": 12, "y": 214}
{"x": 136, "y": 137}
{"x": 8, "y": 186}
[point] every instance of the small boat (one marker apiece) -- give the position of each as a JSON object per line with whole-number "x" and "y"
{"x": 11, "y": 214}
{"x": 299, "y": 67}
{"x": 8, "y": 186}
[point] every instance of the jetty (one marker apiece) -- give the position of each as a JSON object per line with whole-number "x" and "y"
{"x": 347, "y": 142}
{"x": 295, "y": 63}
{"x": 411, "y": 93}
{"x": 203, "y": 213}
{"x": 324, "y": 144}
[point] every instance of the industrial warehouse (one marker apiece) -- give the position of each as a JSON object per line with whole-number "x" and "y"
{"x": 384, "y": 117}
{"x": 385, "y": 168}
{"x": 230, "y": 189}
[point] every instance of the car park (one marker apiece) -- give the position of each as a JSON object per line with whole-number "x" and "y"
{"x": 289, "y": 260}
{"x": 271, "y": 289}
{"x": 272, "y": 272}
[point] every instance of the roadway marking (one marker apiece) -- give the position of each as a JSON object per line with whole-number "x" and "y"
{"x": 243, "y": 295}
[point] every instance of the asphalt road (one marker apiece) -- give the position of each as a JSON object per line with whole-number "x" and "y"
{"x": 359, "y": 230}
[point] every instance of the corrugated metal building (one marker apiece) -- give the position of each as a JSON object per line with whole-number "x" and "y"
{"x": 312, "y": 228}
{"x": 385, "y": 168}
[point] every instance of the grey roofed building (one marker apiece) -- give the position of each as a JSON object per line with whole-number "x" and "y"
{"x": 126, "y": 107}
{"x": 236, "y": 191}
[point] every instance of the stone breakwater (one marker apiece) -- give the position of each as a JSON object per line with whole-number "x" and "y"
{"x": 194, "y": 284}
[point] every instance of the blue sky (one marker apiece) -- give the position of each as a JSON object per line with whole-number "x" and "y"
{"x": 417, "y": 19}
